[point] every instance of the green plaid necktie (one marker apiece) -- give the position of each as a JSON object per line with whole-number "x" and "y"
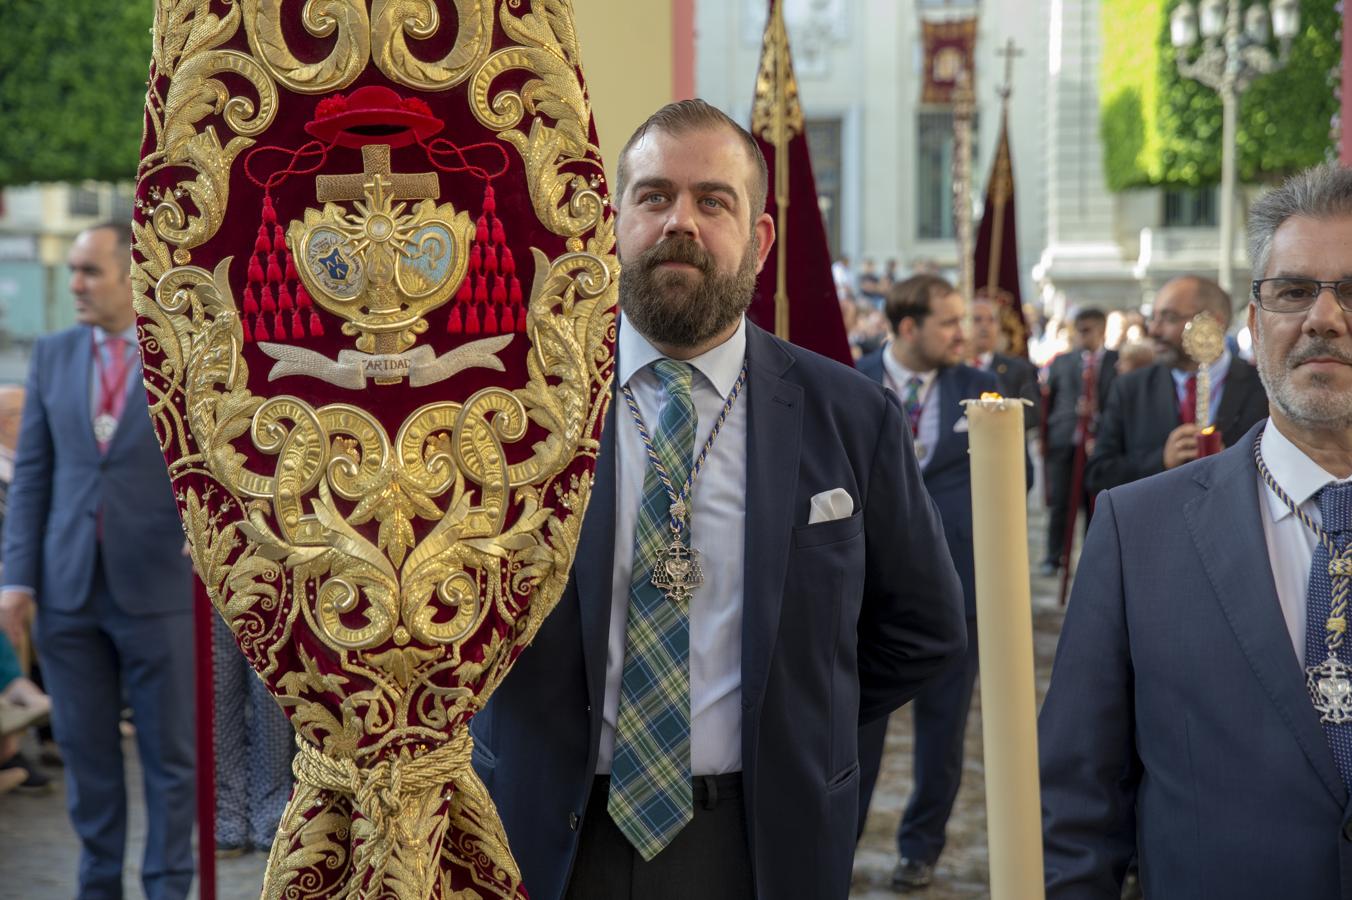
{"x": 650, "y": 793}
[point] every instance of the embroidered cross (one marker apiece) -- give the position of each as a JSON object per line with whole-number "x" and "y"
{"x": 375, "y": 179}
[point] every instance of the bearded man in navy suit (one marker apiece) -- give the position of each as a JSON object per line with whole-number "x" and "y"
{"x": 827, "y": 598}
{"x": 1199, "y": 714}
{"x": 922, "y": 366}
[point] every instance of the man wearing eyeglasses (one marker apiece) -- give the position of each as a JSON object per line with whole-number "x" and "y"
{"x": 1200, "y": 708}
{"x": 1150, "y": 423}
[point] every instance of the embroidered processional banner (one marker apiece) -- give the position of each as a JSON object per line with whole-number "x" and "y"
{"x": 374, "y": 270}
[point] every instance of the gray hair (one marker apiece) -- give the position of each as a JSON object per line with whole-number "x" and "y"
{"x": 1318, "y": 193}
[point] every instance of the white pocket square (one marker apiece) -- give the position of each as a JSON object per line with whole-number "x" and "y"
{"x": 830, "y": 505}
{"x": 960, "y": 426}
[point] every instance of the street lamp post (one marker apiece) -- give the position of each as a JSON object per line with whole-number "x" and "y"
{"x": 1234, "y": 52}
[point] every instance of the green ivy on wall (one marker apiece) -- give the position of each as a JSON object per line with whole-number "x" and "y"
{"x": 1160, "y": 128}
{"x": 72, "y": 89}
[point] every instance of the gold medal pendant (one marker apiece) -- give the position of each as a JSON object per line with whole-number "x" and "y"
{"x": 678, "y": 574}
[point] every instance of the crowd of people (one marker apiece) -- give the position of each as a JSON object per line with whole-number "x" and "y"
{"x": 651, "y": 747}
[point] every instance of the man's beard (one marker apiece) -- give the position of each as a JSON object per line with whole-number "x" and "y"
{"x": 1318, "y": 408}
{"x": 1168, "y": 354}
{"x": 682, "y": 309}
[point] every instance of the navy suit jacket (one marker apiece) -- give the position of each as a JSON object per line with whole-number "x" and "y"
{"x": 948, "y": 476}
{"x": 1177, "y": 725}
{"x": 1143, "y": 409}
{"x": 843, "y": 622}
{"x": 1065, "y": 384}
{"x": 61, "y": 482}
{"x": 1018, "y": 378}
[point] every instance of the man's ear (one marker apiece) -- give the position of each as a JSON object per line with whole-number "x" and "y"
{"x": 764, "y": 229}
{"x": 905, "y": 329}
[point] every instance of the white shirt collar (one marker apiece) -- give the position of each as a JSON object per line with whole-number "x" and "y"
{"x": 720, "y": 366}
{"x": 1217, "y": 370}
{"x": 1298, "y": 475}
{"x": 984, "y": 360}
{"x": 128, "y": 334}
{"x": 901, "y": 375}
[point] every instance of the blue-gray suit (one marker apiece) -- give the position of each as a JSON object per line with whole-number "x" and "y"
{"x": 941, "y": 708}
{"x": 843, "y": 621}
{"x": 114, "y": 615}
{"x": 1177, "y": 725}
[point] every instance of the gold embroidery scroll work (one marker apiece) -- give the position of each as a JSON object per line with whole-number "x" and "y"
{"x": 374, "y": 269}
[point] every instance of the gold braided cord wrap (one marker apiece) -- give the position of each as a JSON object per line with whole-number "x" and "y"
{"x": 373, "y": 264}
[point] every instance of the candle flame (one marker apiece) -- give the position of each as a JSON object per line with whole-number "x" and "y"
{"x": 1210, "y": 429}
{"x": 991, "y": 395}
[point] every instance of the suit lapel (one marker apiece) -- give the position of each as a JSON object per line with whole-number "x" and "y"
{"x": 82, "y": 370}
{"x": 1236, "y": 562}
{"x": 947, "y": 393}
{"x": 773, "y": 437}
{"x": 1233, "y": 396}
{"x": 1164, "y": 397}
{"x": 593, "y": 570}
{"x": 131, "y": 407}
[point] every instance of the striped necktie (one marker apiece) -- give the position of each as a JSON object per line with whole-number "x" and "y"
{"x": 650, "y": 780}
{"x": 911, "y": 404}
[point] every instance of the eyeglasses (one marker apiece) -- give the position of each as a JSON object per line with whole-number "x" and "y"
{"x": 1297, "y": 295}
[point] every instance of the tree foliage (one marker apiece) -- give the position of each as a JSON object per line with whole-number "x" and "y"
{"x": 72, "y": 89}
{"x": 1160, "y": 128}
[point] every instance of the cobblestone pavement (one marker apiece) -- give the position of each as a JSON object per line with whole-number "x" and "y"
{"x": 39, "y": 853}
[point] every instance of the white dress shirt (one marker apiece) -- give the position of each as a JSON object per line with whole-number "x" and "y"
{"x": 927, "y": 432}
{"x": 1290, "y": 543}
{"x": 717, "y": 530}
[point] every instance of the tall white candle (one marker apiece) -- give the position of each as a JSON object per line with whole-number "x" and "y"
{"x": 1004, "y": 613}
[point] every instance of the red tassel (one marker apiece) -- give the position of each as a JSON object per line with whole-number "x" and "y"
{"x": 279, "y": 327}
{"x": 274, "y": 271}
{"x": 297, "y": 326}
{"x": 316, "y": 326}
{"x": 481, "y": 290}
{"x": 499, "y": 236}
{"x": 466, "y": 292}
{"x": 491, "y": 261}
{"x": 508, "y": 262}
{"x": 499, "y": 291}
{"x": 303, "y": 297}
{"x": 248, "y": 332}
{"x": 515, "y": 294}
{"x": 453, "y": 324}
{"x": 481, "y": 230}
{"x": 255, "y": 271}
{"x": 269, "y": 305}
{"x": 521, "y": 320}
{"x": 250, "y": 301}
{"x": 290, "y": 269}
{"x": 476, "y": 259}
{"x": 261, "y": 243}
{"x": 284, "y": 301}
{"x": 261, "y": 330}
{"x": 472, "y": 321}
{"x": 490, "y": 321}
{"x": 279, "y": 239}
{"x": 490, "y": 202}
{"x": 508, "y": 324}
{"x": 269, "y": 214}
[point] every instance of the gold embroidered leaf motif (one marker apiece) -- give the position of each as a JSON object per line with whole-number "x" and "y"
{"x": 391, "y": 20}
{"x": 344, "y": 20}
